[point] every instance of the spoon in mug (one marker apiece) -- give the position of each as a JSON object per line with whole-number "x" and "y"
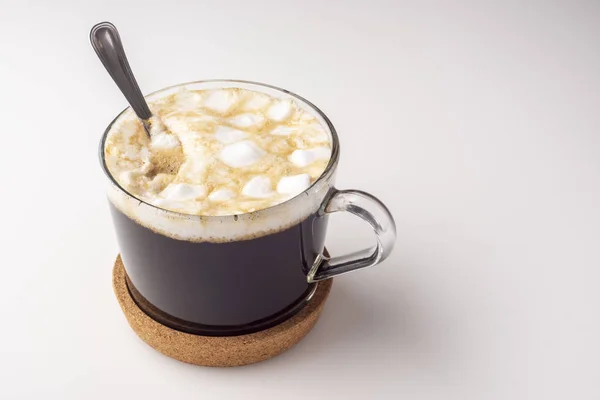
{"x": 106, "y": 41}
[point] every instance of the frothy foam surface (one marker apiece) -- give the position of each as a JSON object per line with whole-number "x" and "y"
{"x": 242, "y": 151}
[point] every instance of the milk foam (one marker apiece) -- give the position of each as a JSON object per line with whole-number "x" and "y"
{"x": 243, "y": 151}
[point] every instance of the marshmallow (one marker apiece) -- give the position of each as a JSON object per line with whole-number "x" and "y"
{"x": 183, "y": 191}
{"x": 187, "y": 100}
{"x": 293, "y": 184}
{"x": 316, "y": 134}
{"x": 241, "y": 154}
{"x": 176, "y": 124}
{"x": 247, "y": 120}
{"x": 164, "y": 141}
{"x": 221, "y": 100}
{"x": 281, "y": 110}
{"x": 226, "y": 135}
{"x": 303, "y": 158}
{"x": 258, "y": 187}
{"x": 281, "y": 130}
{"x": 257, "y": 101}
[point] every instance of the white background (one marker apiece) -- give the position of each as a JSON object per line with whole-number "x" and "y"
{"x": 477, "y": 123}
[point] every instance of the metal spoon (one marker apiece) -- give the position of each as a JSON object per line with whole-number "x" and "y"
{"x": 106, "y": 41}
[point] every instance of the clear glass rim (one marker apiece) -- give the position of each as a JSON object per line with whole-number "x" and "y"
{"x": 327, "y": 173}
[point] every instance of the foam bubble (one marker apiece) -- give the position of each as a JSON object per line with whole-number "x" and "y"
{"x": 281, "y": 110}
{"x": 226, "y": 135}
{"x": 294, "y": 184}
{"x": 241, "y": 154}
{"x": 258, "y": 187}
{"x": 221, "y": 100}
{"x": 303, "y": 158}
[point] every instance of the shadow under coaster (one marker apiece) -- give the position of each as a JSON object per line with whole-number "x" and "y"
{"x": 218, "y": 351}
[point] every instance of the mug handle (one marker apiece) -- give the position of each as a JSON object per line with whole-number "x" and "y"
{"x": 376, "y": 214}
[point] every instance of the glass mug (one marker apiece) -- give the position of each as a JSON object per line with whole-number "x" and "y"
{"x": 238, "y": 274}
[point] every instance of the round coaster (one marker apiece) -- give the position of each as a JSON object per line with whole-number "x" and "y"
{"x": 219, "y": 351}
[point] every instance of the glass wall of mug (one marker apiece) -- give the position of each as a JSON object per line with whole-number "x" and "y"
{"x": 223, "y": 275}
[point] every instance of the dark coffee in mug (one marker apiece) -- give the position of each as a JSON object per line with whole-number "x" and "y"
{"x": 221, "y": 213}
{"x": 220, "y": 288}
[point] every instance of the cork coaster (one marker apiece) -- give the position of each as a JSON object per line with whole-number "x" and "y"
{"x": 220, "y": 351}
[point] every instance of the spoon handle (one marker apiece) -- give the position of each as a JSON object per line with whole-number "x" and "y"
{"x": 106, "y": 42}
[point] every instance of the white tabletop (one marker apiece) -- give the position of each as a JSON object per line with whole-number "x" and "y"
{"x": 477, "y": 124}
